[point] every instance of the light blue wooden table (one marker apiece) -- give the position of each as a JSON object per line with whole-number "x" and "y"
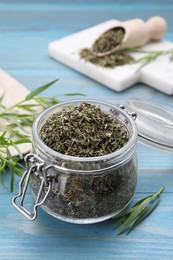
{"x": 26, "y": 28}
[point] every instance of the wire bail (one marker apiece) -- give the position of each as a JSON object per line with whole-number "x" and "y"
{"x": 38, "y": 166}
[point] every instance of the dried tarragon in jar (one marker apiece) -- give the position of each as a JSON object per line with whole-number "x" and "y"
{"x": 89, "y": 182}
{"x": 84, "y": 131}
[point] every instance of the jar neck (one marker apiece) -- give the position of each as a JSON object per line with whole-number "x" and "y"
{"x": 85, "y": 164}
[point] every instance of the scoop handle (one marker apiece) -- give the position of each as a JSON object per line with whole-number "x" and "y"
{"x": 157, "y": 27}
{"x": 138, "y": 32}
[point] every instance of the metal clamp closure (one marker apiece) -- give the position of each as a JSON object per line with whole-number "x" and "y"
{"x": 37, "y": 166}
{"x": 132, "y": 114}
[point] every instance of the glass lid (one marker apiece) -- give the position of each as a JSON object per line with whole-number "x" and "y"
{"x": 154, "y": 123}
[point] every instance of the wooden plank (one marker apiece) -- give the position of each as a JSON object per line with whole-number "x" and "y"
{"x": 26, "y": 27}
{"x": 51, "y": 16}
{"x": 49, "y": 238}
{"x": 149, "y": 181}
{"x": 76, "y": 2}
{"x": 11, "y": 89}
{"x": 13, "y": 92}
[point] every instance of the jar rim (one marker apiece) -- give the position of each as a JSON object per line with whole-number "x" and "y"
{"x": 123, "y": 150}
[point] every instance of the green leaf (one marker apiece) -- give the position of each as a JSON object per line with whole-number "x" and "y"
{"x": 8, "y": 153}
{"x": 39, "y": 90}
{"x": 3, "y": 134}
{"x": 18, "y": 150}
{"x": 1, "y": 97}
{"x": 125, "y": 212}
{"x": 14, "y": 115}
{"x": 131, "y": 217}
{"x": 29, "y": 107}
{"x": 150, "y": 57}
{"x": 145, "y": 214}
{"x": 121, "y": 221}
{"x": 141, "y": 200}
{"x": 2, "y": 164}
{"x": 2, "y": 179}
{"x": 12, "y": 178}
{"x": 18, "y": 172}
{"x": 134, "y": 214}
{"x": 74, "y": 94}
{"x": 129, "y": 210}
{"x": 22, "y": 141}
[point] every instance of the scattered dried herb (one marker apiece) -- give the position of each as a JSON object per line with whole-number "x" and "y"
{"x": 84, "y": 131}
{"x": 109, "y": 40}
{"x": 131, "y": 217}
{"x": 108, "y": 61}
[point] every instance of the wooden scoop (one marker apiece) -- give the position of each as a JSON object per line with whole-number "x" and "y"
{"x": 137, "y": 33}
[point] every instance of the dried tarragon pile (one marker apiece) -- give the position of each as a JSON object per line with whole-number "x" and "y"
{"x": 84, "y": 131}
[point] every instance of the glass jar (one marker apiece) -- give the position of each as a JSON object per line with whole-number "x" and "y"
{"x": 80, "y": 189}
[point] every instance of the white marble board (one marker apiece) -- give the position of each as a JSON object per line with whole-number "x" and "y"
{"x": 158, "y": 74}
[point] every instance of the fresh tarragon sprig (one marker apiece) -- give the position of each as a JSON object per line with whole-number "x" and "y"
{"x": 128, "y": 219}
{"x": 13, "y": 128}
{"x": 149, "y": 57}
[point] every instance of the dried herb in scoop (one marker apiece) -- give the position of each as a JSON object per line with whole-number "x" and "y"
{"x": 109, "y": 40}
{"x": 104, "y": 43}
{"x": 84, "y": 131}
